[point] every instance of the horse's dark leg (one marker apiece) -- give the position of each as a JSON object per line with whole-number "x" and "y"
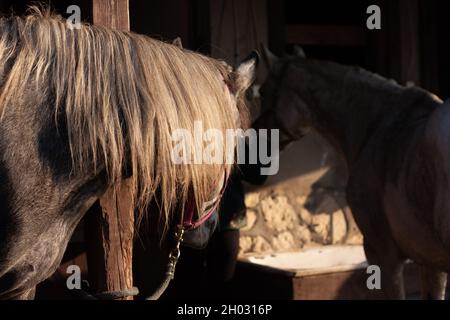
{"x": 352, "y": 227}
{"x": 433, "y": 283}
{"x": 391, "y": 267}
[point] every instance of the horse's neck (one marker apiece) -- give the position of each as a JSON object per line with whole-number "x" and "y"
{"x": 366, "y": 107}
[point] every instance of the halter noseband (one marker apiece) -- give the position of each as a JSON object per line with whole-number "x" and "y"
{"x": 187, "y": 223}
{"x": 189, "y": 212}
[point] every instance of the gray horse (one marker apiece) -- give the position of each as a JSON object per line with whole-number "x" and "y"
{"x": 396, "y": 144}
{"x": 79, "y": 110}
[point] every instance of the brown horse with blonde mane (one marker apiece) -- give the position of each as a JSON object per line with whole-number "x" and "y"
{"x": 82, "y": 108}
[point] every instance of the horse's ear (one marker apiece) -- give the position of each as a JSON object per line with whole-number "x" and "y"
{"x": 245, "y": 73}
{"x": 177, "y": 42}
{"x": 270, "y": 59}
{"x": 299, "y": 52}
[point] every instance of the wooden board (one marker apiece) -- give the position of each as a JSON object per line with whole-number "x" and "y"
{"x": 109, "y": 234}
{"x": 327, "y": 279}
{"x": 111, "y": 13}
{"x": 110, "y": 224}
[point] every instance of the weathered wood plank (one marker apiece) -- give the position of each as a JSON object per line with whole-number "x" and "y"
{"x": 111, "y": 223}
{"x": 276, "y": 26}
{"x": 111, "y": 13}
{"x": 110, "y": 233}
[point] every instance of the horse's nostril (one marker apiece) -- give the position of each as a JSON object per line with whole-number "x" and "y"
{"x": 14, "y": 283}
{"x": 16, "y": 276}
{"x": 8, "y": 282}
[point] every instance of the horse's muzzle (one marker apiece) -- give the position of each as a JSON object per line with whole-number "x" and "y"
{"x": 198, "y": 238}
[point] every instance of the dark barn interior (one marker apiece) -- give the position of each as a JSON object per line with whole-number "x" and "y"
{"x": 412, "y": 47}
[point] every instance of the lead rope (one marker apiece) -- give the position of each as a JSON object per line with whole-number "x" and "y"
{"x": 107, "y": 295}
{"x": 174, "y": 255}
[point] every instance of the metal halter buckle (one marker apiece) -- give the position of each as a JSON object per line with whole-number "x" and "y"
{"x": 174, "y": 255}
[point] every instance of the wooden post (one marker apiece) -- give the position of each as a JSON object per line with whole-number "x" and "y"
{"x": 404, "y": 45}
{"x": 409, "y": 42}
{"x": 110, "y": 223}
{"x": 113, "y": 14}
{"x": 276, "y": 26}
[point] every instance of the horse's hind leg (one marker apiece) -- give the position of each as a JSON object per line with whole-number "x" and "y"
{"x": 391, "y": 266}
{"x": 433, "y": 283}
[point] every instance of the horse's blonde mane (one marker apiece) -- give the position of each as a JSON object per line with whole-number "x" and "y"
{"x": 122, "y": 94}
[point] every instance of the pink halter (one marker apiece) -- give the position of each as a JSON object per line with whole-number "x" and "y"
{"x": 189, "y": 210}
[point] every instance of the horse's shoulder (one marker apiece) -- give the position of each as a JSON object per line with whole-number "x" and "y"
{"x": 437, "y": 132}
{"x": 441, "y": 115}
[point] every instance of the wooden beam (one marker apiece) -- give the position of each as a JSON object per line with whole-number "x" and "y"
{"x": 113, "y": 14}
{"x": 202, "y": 24}
{"x": 403, "y": 52}
{"x": 109, "y": 236}
{"x": 276, "y": 26}
{"x": 325, "y": 35}
{"x": 110, "y": 229}
{"x": 428, "y": 15}
{"x": 409, "y": 42}
{"x": 283, "y": 284}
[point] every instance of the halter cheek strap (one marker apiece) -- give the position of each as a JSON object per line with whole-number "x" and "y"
{"x": 186, "y": 224}
{"x": 188, "y": 216}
